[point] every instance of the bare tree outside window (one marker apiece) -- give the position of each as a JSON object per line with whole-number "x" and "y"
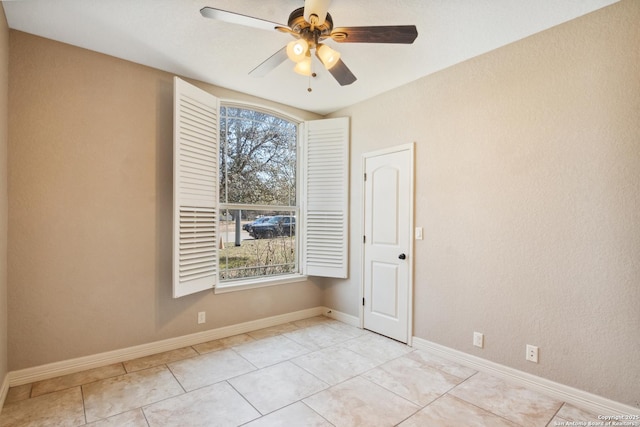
{"x": 258, "y": 168}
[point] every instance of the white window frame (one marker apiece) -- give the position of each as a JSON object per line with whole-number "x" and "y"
{"x": 263, "y": 281}
{"x": 327, "y": 209}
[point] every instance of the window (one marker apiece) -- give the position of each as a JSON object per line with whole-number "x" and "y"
{"x": 286, "y": 182}
{"x": 258, "y": 197}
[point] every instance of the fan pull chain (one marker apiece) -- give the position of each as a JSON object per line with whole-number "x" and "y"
{"x": 313, "y": 74}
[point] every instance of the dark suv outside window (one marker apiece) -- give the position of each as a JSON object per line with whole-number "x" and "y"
{"x": 279, "y": 225}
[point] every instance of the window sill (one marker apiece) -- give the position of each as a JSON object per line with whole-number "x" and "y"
{"x": 242, "y": 285}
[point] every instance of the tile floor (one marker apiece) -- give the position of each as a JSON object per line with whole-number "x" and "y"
{"x": 315, "y": 372}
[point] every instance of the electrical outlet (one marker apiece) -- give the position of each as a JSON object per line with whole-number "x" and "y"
{"x": 202, "y": 317}
{"x": 532, "y": 353}
{"x": 478, "y": 339}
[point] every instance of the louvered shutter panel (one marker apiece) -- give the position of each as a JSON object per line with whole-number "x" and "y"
{"x": 195, "y": 189}
{"x": 326, "y": 180}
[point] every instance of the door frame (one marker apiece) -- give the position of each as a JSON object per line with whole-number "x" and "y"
{"x": 395, "y": 149}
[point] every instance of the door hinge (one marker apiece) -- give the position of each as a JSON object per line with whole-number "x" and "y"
{"x": 362, "y": 301}
{"x": 364, "y": 239}
{"x": 365, "y": 176}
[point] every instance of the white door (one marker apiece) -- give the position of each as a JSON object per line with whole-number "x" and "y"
{"x": 388, "y": 224}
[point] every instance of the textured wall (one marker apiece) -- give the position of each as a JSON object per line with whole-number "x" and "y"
{"x": 528, "y": 189}
{"x": 90, "y": 208}
{"x": 4, "y": 85}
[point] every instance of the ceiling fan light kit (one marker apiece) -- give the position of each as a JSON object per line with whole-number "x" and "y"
{"x": 311, "y": 25}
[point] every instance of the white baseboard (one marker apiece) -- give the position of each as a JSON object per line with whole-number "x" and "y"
{"x": 56, "y": 369}
{"x": 342, "y": 317}
{"x": 579, "y": 398}
{"x": 4, "y": 390}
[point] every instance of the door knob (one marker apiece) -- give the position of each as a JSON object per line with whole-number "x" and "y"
{"x": 402, "y": 256}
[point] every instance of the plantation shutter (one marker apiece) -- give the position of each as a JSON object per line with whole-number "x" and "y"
{"x": 195, "y": 189}
{"x": 326, "y": 208}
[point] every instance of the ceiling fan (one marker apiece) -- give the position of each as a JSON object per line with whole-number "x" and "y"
{"x": 310, "y": 26}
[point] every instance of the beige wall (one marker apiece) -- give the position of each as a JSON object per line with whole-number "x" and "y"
{"x": 90, "y": 184}
{"x": 4, "y": 135}
{"x": 528, "y": 189}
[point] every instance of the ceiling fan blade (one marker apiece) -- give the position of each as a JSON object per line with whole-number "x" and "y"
{"x": 272, "y": 62}
{"x": 237, "y": 18}
{"x": 404, "y": 34}
{"x": 342, "y": 73}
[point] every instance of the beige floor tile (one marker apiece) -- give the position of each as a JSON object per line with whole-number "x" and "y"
{"x": 574, "y": 414}
{"x": 316, "y": 372}
{"x": 273, "y": 331}
{"x": 451, "y": 412}
{"x": 277, "y": 386}
{"x": 377, "y": 348}
{"x": 298, "y": 415}
{"x": 570, "y": 414}
{"x": 318, "y": 336}
{"x": 311, "y": 321}
{"x": 334, "y": 364}
{"x": 352, "y": 331}
{"x": 215, "y": 405}
{"x": 159, "y": 359}
{"x": 112, "y": 396}
{"x": 133, "y": 418}
{"x": 18, "y": 393}
{"x": 417, "y": 383}
{"x": 515, "y": 403}
{"x": 209, "y": 368}
{"x": 359, "y": 402}
{"x": 74, "y": 380}
{"x": 221, "y": 344}
{"x": 60, "y": 408}
{"x": 443, "y": 364}
{"x": 270, "y": 351}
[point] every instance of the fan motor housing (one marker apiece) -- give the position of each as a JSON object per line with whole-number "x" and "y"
{"x": 298, "y": 25}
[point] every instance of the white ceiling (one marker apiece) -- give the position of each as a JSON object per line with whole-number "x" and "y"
{"x": 171, "y": 35}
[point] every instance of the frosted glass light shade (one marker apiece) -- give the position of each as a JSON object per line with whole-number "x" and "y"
{"x": 327, "y": 56}
{"x": 303, "y": 67}
{"x": 297, "y": 50}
